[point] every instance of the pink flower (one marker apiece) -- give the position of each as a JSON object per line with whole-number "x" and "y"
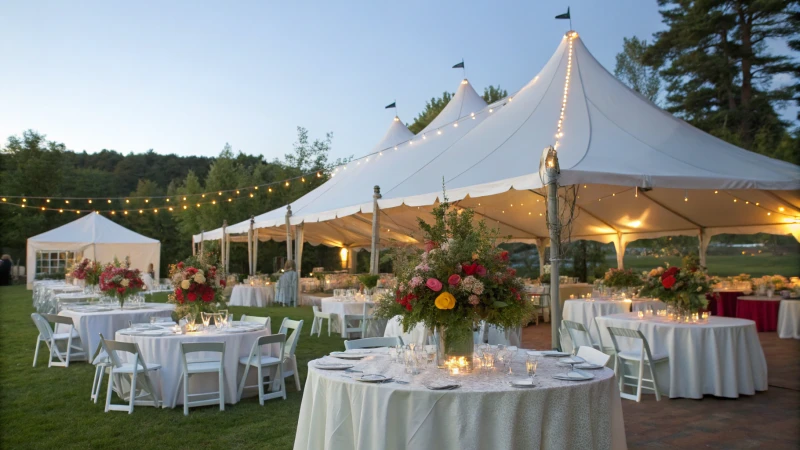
{"x": 415, "y": 282}
{"x": 480, "y": 271}
{"x": 434, "y": 284}
{"x": 430, "y": 245}
{"x": 454, "y": 280}
{"x": 458, "y": 268}
{"x": 474, "y": 300}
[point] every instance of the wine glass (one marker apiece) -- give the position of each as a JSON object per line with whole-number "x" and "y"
{"x": 430, "y": 350}
{"x": 206, "y": 319}
{"x": 218, "y": 320}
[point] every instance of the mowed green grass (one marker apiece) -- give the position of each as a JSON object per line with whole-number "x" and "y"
{"x": 50, "y": 408}
{"x": 726, "y": 265}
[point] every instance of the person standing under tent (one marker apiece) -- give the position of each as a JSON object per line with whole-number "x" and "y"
{"x": 5, "y": 270}
{"x": 287, "y": 285}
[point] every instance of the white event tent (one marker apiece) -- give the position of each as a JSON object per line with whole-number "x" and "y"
{"x": 95, "y": 237}
{"x": 639, "y": 171}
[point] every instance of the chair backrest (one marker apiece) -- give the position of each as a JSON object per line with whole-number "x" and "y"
{"x": 375, "y": 342}
{"x": 291, "y": 342}
{"x": 43, "y": 325}
{"x": 593, "y": 356}
{"x": 577, "y": 333}
{"x": 112, "y": 347}
{"x": 255, "y": 351}
{"x": 196, "y": 347}
{"x": 256, "y": 319}
{"x": 316, "y": 310}
{"x": 632, "y": 334}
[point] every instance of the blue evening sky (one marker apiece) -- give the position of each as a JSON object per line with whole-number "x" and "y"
{"x": 186, "y": 77}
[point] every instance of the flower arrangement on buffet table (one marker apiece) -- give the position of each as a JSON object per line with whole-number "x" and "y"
{"x": 120, "y": 281}
{"x": 88, "y": 271}
{"x": 460, "y": 279}
{"x": 621, "y": 278}
{"x": 197, "y": 288}
{"x": 682, "y": 288}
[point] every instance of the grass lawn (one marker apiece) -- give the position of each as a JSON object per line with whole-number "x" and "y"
{"x": 50, "y": 408}
{"x": 725, "y": 265}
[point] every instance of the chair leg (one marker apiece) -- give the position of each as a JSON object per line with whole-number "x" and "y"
{"x": 221, "y": 390}
{"x": 133, "y": 392}
{"x": 260, "y": 386}
{"x": 36, "y": 352}
{"x": 655, "y": 383}
{"x": 110, "y": 390}
{"x": 52, "y": 347}
{"x": 69, "y": 346}
{"x": 185, "y": 377}
{"x": 639, "y": 382}
{"x": 241, "y": 384}
{"x": 313, "y": 326}
{"x": 98, "y": 372}
{"x": 296, "y": 375}
{"x": 329, "y": 327}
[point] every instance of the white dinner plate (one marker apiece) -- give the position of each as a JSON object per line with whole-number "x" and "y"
{"x": 343, "y": 355}
{"x": 576, "y": 375}
{"x": 553, "y": 353}
{"x": 373, "y": 378}
{"x": 588, "y": 366}
{"x": 572, "y": 360}
{"x": 154, "y": 333}
{"x": 332, "y": 366}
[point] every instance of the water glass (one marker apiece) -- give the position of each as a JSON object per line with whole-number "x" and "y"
{"x": 206, "y": 319}
{"x": 392, "y": 354}
{"x": 531, "y": 365}
{"x": 217, "y": 320}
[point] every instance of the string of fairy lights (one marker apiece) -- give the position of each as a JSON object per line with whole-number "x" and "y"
{"x": 188, "y": 201}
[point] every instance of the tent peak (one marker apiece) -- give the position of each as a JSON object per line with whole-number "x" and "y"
{"x": 462, "y": 104}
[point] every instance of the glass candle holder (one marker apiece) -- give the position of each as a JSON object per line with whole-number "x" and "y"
{"x": 640, "y": 314}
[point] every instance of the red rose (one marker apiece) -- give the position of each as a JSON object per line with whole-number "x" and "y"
{"x": 511, "y": 272}
{"x": 180, "y": 265}
{"x": 668, "y": 282}
{"x": 504, "y": 255}
{"x": 223, "y": 283}
{"x": 434, "y": 284}
{"x": 480, "y": 271}
{"x": 121, "y": 290}
{"x": 671, "y": 272}
{"x": 430, "y": 245}
{"x": 408, "y": 306}
{"x": 179, "y": 295}
{"x": 208, "y": 294}
{"x": 470, "y": 269}
{"x": 191, "y": 296}
{"x": 453, "y": 280}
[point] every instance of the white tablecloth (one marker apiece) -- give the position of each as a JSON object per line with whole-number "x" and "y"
{"x": 91, "y": 324}
{"x": 419, "y": 335}
{"x": 166, "y": 350}
{"x": 258, "y": 296}
{"x": 484, "y": 413}
{"x": 61, "y": 300}
{"x": 789, "y": 319}
{"x": 584, "y": 313}
{"x": 722, "y": 357}
{"x": 340, "y": 307}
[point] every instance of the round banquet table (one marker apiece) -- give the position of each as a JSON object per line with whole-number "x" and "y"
{"x": 722, "y": 357}
{"x": 258, "y": 296}
{"x": 339, "y": 412}
{"x": 762, "y": 310}
{"x": 340, "y": 307}
{"x": 92, "y": 320}
{"x": 394, "y": 328}
{"x": 62, "y": 300}
{"x": 789, "y": 319}
{"x": 584, "y": 312}
{"x": 166, "y": 351}
{"x": 726, "y": 302}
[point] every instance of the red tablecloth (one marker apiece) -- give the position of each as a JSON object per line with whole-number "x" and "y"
{"x": 726, "y": 303}
{"x": 763, "y": 312}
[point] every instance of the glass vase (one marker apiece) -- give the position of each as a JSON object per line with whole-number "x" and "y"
{"x": 454, "y": 347}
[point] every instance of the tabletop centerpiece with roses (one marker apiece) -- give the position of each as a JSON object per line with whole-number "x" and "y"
{"x": 118, "y": 280}
{"x": 460, "y": 279}
{"x": 197, "y": 288}
{"x": 684, "y": 288}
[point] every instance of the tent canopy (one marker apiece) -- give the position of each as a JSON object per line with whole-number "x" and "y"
{"x": 97, "y": 238}
{"x": 640, "y": 172}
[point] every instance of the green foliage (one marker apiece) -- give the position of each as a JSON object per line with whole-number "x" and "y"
{"x": 720, "y": 70}
{"x": 492, "y": 94}
{"x": 369, "y": 281}
{"x": 435, "y": 105}
{"x": 621, "y": 278}
{"x": 632, "y": 71}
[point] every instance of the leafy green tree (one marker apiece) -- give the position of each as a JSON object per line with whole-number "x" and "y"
{"x": 719, "y": 67}
{"x": 492, "y": 94}
{"x": 632, "y": 71}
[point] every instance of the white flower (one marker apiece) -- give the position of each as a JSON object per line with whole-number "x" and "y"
{"x": 125, "y": 282}
{"x": 198, "y": 277}
{"x": 185, "y": 284}
{"x": 699, "y": 288}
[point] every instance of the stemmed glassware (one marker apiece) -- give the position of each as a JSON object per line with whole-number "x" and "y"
{"x": 531, "y": 365}
{"x": 206, "y": 319}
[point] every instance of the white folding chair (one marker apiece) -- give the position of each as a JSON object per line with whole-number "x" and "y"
{"x": 319, "y": 317}
{"x": 196, "y": 367}
{"x": 635, "y": 360}
{"x": 608, "y": 350}
{"x": 73, "y": 349}
{"x": 256, "y": 319}
{"x": 375, "y": 342}
{"x": 102, "y": 366}
{"x": 354, "y": 323}
{"x": 578, "y": 334}
{"x": 593, "y": 356}
{"x": 289, "y": 359}
{"x": 368, "y": 320}
{"x": 139, "y": 374}
{"x": 261, "y": 362}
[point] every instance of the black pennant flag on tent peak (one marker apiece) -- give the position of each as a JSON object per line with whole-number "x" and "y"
{"x": 391, "y": 105}
{"x": 565, "y": 15}
{"x": 459, "y": 65}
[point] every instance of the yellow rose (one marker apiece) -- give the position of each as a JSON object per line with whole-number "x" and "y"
{"x": 125, "y": 282}
{"x": 198, "y": 277}
{"x": 185, "y": 284}
{"x": 445, "y": 300}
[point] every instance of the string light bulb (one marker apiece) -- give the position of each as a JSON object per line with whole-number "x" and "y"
{"x": 287, "y": 184}
{"x": 67, "y": 202}
{"x": 128, "y": 201}
{"x": 90, "y": 200}
{"x": 48, "y": 200}
{"x": 147, "y": 200}
{"x": 24, "y": 200}
{"x": 109, "y": 201}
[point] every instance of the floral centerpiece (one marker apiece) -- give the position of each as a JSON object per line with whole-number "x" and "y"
{"x": 621, "y": 278}
{"x": 197, "y": 288}
{"x": 683, "y": 288}
{"x": 369, "y": 281}
{"x": 120, "y": 281}
{"x": 460, "y": 279}
{"x": 544, "y": 278}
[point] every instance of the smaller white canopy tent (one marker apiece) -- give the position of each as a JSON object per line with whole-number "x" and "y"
{"x": 97, "y": 238}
